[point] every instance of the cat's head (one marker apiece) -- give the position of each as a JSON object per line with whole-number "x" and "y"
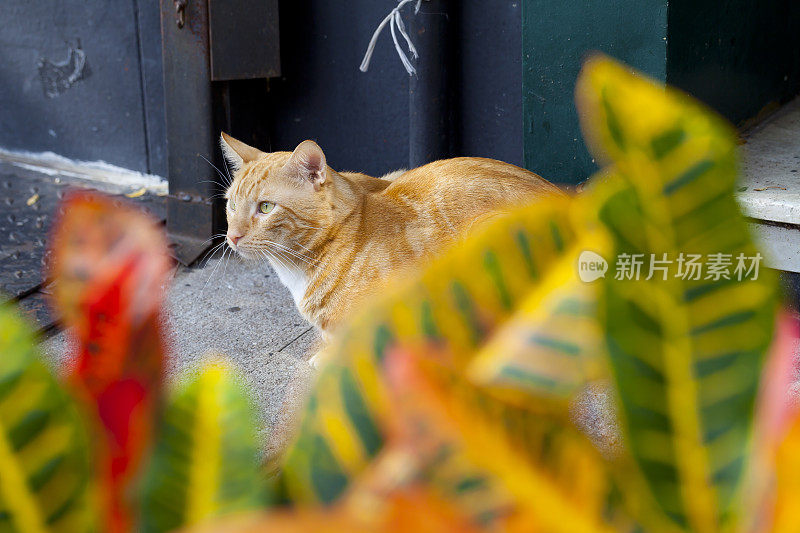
{"x": 277, "y": 202}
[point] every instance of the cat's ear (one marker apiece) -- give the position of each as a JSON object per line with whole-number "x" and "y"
{"x": 308, "y": 163}
{"x": 236, "y": 152}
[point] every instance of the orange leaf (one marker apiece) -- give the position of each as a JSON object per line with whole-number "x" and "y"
{"x": 438, "y": 421}
{"x": 409, "y": 510}
{"x": 109, "y": 266}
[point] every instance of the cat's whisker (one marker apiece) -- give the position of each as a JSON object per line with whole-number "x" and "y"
{"x": 287, "y": 260}
{"x": 213, "y": 271}
{"x": 272, "y": 257}
{"x": 267, "y": 257}
{"x": 304, "y": 248}
{"x": 227, "y": 259}
{"x": 308, "y": 260}
{"x": 230, "y": 257}
{"x": 263, "y": 254}
{"x": 227, "y": 170}
{"x": 215, "y": 248}
{"x": 209, "y": 254}
{"x": 224, "y": 263}
{"x": 216, "y": 236}
{"x": 268, "y": 242}
{"x": 317, "y": 262}
{"x": 289, "y": 248}
{"x": 221, "y": 175}
{"x": 277, "y": 258}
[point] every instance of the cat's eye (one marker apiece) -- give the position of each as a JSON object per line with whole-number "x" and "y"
{"x": 265, "y": 207}
{"x": 231, "y": 204}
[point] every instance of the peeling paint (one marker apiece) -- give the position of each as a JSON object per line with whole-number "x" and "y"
{"x": 98, "y": 171}
{"x": 57, "y": 77}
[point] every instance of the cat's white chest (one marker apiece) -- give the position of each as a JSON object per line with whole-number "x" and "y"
{"x": 293, "y": 279}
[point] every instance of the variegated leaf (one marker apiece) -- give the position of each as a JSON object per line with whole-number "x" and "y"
{"x": 109, "y": 267}
{"x": 542, "y": 475}
{"x": 205, "y": 462}
{"x": 551, "y": 346}
{"x": 449, "y": 313}
{"x": 45, "y": 470}
{"x": 686, "y": 351}
{"x": 786, "y": 518}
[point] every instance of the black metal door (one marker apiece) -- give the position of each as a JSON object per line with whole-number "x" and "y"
{"x": 207, "y": 44}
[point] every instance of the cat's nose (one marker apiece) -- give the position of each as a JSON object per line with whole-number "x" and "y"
{"x": 234, "y": 237}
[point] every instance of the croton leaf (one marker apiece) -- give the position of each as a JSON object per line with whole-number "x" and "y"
{"x": 686, "y": 330}
{"x": 552, "y": 344}
{"x": 787, "y": 467}
{"x": 410, "y": 509}
{"x": 449, "y": 465}
{"x": 45, "y": 471}
{"x": 544, "y": 476}
{"x": 205, "y": 462}
{"x": 457, "y": 306}
{"x": 97, "y": 240}
{"x": 109, "y": 266}
{"x": 774, "y": 483}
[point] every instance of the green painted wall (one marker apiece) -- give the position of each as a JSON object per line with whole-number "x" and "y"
{"x": 738, "y": 56}
{"x": 556, "y": 36}
{"x": 741, "y": 57}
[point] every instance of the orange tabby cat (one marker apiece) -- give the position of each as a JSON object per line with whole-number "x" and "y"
{"x": 332, "y": 237}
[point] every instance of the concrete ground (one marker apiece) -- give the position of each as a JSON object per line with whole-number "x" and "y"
{"x": 243, "y": 312}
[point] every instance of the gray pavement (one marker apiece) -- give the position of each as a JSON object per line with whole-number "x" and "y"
{"x": 243, "y": 312}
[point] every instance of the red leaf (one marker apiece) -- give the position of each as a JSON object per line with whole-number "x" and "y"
{"x": 776, "y": 417}
{"x": 776, "y": 410}
{"x": 109, "y": 267}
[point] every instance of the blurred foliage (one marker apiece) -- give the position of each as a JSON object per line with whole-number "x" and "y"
{"x": 684, "y": 355}
{"x": 205, "y": 460}
{"x": 449, "y": 404}
{"x": 44, "y": 457}
{"x": 110, "y": 265}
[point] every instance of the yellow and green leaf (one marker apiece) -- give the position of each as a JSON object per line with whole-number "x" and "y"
{"x": 205, "y": 462}
{"x": 686, "y": 354}
{"x": 552, "y": 344}
{"x": 542, "y": 475}
{"x": 45, "y": 470}
{"x": 454, "y": 310}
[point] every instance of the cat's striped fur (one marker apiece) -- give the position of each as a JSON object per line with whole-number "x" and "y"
{"x": 333, "y": 237}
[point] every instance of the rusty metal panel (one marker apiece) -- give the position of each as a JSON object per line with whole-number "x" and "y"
{"x": 189, "y": 124}
{"x": 244, "y": 38}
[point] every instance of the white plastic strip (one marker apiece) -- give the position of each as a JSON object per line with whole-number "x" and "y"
{"x": 395, "y": 21}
